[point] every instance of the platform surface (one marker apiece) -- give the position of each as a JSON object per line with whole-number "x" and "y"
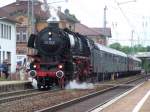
{"x": 137, "y": 100}
{"x": 13, "y": 82}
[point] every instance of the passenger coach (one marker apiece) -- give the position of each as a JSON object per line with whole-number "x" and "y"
{"x": 109, "y": 63}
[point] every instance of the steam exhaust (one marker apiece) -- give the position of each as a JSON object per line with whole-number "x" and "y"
{"x": 34, "y": 82}
{"x": 75, "y": 85}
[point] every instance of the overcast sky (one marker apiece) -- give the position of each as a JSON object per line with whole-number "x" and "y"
{"x": 130, "y": 17}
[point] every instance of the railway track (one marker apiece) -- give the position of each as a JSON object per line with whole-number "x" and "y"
{"x": 89, "y": 102}
{"x": 7, "y": 94}
{"x": 17, "y": 95}
{"x": 36, "y": 100}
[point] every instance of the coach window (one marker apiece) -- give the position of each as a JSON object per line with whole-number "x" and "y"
{"x": 109, "y": 56}
{"x": 102, "y": 53}
{"x": 121, "y": 59}
{"x": 117, "y": 58}
{"x": 105, "y": 55}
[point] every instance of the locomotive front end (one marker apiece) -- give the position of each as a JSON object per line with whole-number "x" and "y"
{"x": 48, "y": 66}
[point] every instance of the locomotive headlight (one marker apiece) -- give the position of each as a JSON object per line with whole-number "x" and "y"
{"x": 60, "y": 66}
{"x": 49, "y": 33}
{"x": 34, "y": 66}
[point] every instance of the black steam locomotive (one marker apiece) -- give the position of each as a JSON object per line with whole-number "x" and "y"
{"x": 63, "y": 55}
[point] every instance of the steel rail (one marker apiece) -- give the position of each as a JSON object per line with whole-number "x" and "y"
{"x": 24, "y": 95}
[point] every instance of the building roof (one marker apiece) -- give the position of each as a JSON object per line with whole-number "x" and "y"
{"x": 21, "y": 7}
{"x": 143, "y": 55}
{"x": 5, "y": 16}
{"x": 84, "y": 30}
{"x": 104, "y": 31}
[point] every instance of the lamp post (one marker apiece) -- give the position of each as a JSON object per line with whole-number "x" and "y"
{"x": 105, "y": 22}
{"x": 32, "y": 15}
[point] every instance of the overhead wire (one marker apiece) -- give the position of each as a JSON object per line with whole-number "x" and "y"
{"x": 127, "y": 19}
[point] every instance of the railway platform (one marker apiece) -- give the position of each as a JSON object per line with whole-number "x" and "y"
{"x": 7, "y": 86}
{"x": 134, "y": 100}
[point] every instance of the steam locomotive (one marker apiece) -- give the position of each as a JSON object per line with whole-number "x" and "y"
{"x": 63, "y": 55}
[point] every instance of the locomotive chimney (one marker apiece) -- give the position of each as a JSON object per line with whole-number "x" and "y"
{"x": 53, "y": 21}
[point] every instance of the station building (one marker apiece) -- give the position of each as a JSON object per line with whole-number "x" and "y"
{"x": 145, "y": 57}
{"x": 98, "y": 35}
{"x": 8, "y": 40}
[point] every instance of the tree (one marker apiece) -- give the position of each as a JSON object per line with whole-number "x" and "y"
{"x": 116, "y": 46}
{"x": 139, "y": 48}
{"x": 126, "y": 49}
{"x": 129, "y": 50}
{"x": 148, "y": 49}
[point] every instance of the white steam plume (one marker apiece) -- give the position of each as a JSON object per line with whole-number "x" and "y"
{"x": 34, "y": 82}
{"x": 75, "y": 85}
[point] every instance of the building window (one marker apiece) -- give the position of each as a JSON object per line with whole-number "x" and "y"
{"x": 3, "y": 55}
{"x": 2, "y": 32}
{"x": 0, "y": 57}
{"x": 5, "y": 31}
{"x": 24, "y": 37}
{"x": 21, "y": 36}
{"x": 9, "y": 32}
{"x": 9, "y": 56}
{"x": 18, "y": 37}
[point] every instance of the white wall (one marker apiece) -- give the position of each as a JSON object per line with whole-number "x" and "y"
{"x": 8, "y": 45}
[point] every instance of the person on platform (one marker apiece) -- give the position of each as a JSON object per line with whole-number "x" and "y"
{"x": 5, "y": 66}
